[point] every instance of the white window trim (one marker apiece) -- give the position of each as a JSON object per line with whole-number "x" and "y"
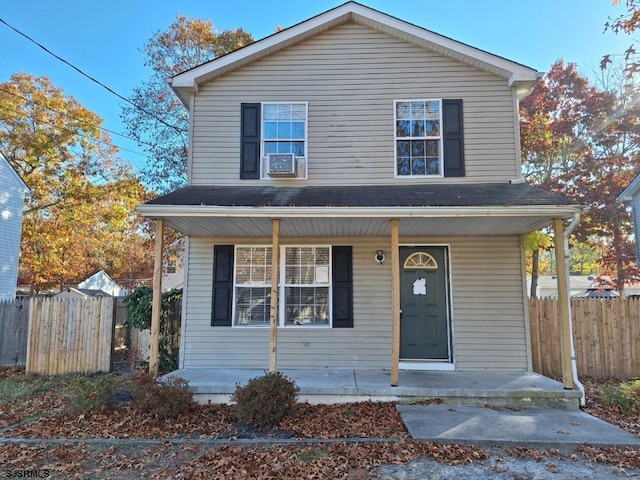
{"x": 440, "y": 138}
{"x": 283, "y": 285}
{"x": 235, "y": 285}
{"x": 281, "y": 289}
{"x": 299, "y": 160}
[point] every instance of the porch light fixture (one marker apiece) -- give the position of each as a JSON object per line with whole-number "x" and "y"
{"x": 379, "y": 256}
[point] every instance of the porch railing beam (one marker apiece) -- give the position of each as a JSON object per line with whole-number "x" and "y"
{"x": 395, "y": 302}
{"x": 273, "y": 318}
{"x": 564, "y": 307}
{"x": 156, "y": 303}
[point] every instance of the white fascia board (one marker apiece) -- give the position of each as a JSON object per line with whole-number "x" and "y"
{"x": 627, "y": 194}
{"x": 518, "y": 72}
{"x": 553, "y": 211}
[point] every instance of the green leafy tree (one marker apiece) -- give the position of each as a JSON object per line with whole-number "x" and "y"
{"x": 138, "y": 304}
{"x": 584, "y": 260}
{"x": 185, "y": 44}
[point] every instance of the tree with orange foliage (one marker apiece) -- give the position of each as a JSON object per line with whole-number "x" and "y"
{"x": 80, "y": 213}
{"x": 582, "y": 141}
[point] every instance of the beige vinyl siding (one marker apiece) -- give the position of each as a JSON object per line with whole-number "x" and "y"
{"x": 350, "y": 77}
{"x": 485, "y": 273}
{"x": 366, "y": 345}
{"x": 489, "y": 321}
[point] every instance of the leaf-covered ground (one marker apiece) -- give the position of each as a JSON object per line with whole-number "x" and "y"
{"x": 34, "y": 407}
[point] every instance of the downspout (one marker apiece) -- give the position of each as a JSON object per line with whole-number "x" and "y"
{"x": 574, "y": 365}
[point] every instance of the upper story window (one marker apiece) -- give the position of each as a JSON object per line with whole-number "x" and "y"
{"x": 428, "y": 138}
{"x": 273, "y": 140}
{"x": 418, "y": 137}
{"x": 284, "y": 128}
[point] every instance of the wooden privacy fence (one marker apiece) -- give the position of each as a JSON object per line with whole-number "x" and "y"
{"x": 14, "y": 323}
{"x": 606, "y": 335}
{"x": 70, "y": 335}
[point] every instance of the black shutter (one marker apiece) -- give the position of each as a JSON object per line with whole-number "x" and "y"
{"x": 250, "y": 140}
{"x": 453, "y": 141}
{"x": 221, "y": 307}
{"x": 342, "y": 282}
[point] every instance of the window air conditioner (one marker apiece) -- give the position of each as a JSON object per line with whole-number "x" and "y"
{"x": 281, "y": 165}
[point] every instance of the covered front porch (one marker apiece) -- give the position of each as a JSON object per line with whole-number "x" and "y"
{"x": 479, "y": 223}
{"x": 341, "y": 385}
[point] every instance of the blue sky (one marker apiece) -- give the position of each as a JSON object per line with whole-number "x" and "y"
{"x": 104, "y": 38}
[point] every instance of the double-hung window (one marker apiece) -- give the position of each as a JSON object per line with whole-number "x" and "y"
{"x": 252, "y": 285}
{"x": 284, "y": 128}
{"x": 418, "y": 138}
{"x": 307, "y": 274}
{"x": 277, "y": 129}
{"x": 305, "y": 285}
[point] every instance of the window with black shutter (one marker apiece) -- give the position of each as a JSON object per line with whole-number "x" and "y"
{"x": 250, "y": 141}
{"x": 429, "y": 138}
{"x": 312, "y": 276}
{"x": 222, "y": 306}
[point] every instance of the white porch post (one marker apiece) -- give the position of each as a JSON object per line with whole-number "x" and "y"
{"x": 395, "y": 302}
{"x": 564, "y": 306}
{"x": 156, "y": 304}
{"x": 273, "y": 319}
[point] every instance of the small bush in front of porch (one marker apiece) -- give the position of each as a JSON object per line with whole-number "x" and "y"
{"x": 166, "y": 399}
{"x": 625, "y": 397}
{"x": 89, "y": 393}
{"x": 266, "y": 400}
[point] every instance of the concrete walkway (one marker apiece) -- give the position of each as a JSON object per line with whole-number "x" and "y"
{"x": 508, "y": 427}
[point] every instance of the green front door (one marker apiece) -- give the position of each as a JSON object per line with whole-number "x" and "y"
{"x": 424, "y": 321}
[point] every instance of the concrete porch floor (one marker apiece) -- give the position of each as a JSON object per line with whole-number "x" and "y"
{"x": 519, "y": 389}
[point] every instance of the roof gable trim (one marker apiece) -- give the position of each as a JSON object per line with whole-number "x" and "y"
{"x": 352, "y": 11}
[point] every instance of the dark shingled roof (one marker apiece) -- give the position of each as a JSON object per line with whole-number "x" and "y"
{"x": 459, "y": 195}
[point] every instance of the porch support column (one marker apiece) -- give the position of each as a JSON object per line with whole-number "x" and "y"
{"x": 273, "y": 318}
{"x": 564, "y": 307}
{"x": 395, "y": 302}
{"x": 156, "y": 304}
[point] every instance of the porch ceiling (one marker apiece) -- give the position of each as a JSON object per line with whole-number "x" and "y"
{"x": 355, "y": 227}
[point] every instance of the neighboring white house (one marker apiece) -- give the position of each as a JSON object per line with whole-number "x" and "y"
{"x": 102, "y": 281}
{"x": 12, "y": 192}
{"x": 173, "y": 280}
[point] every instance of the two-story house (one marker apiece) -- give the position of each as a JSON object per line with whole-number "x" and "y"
{"x": 355, "y": 200}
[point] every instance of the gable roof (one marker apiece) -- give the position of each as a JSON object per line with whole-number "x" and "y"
{"x": 516, "y": 74}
